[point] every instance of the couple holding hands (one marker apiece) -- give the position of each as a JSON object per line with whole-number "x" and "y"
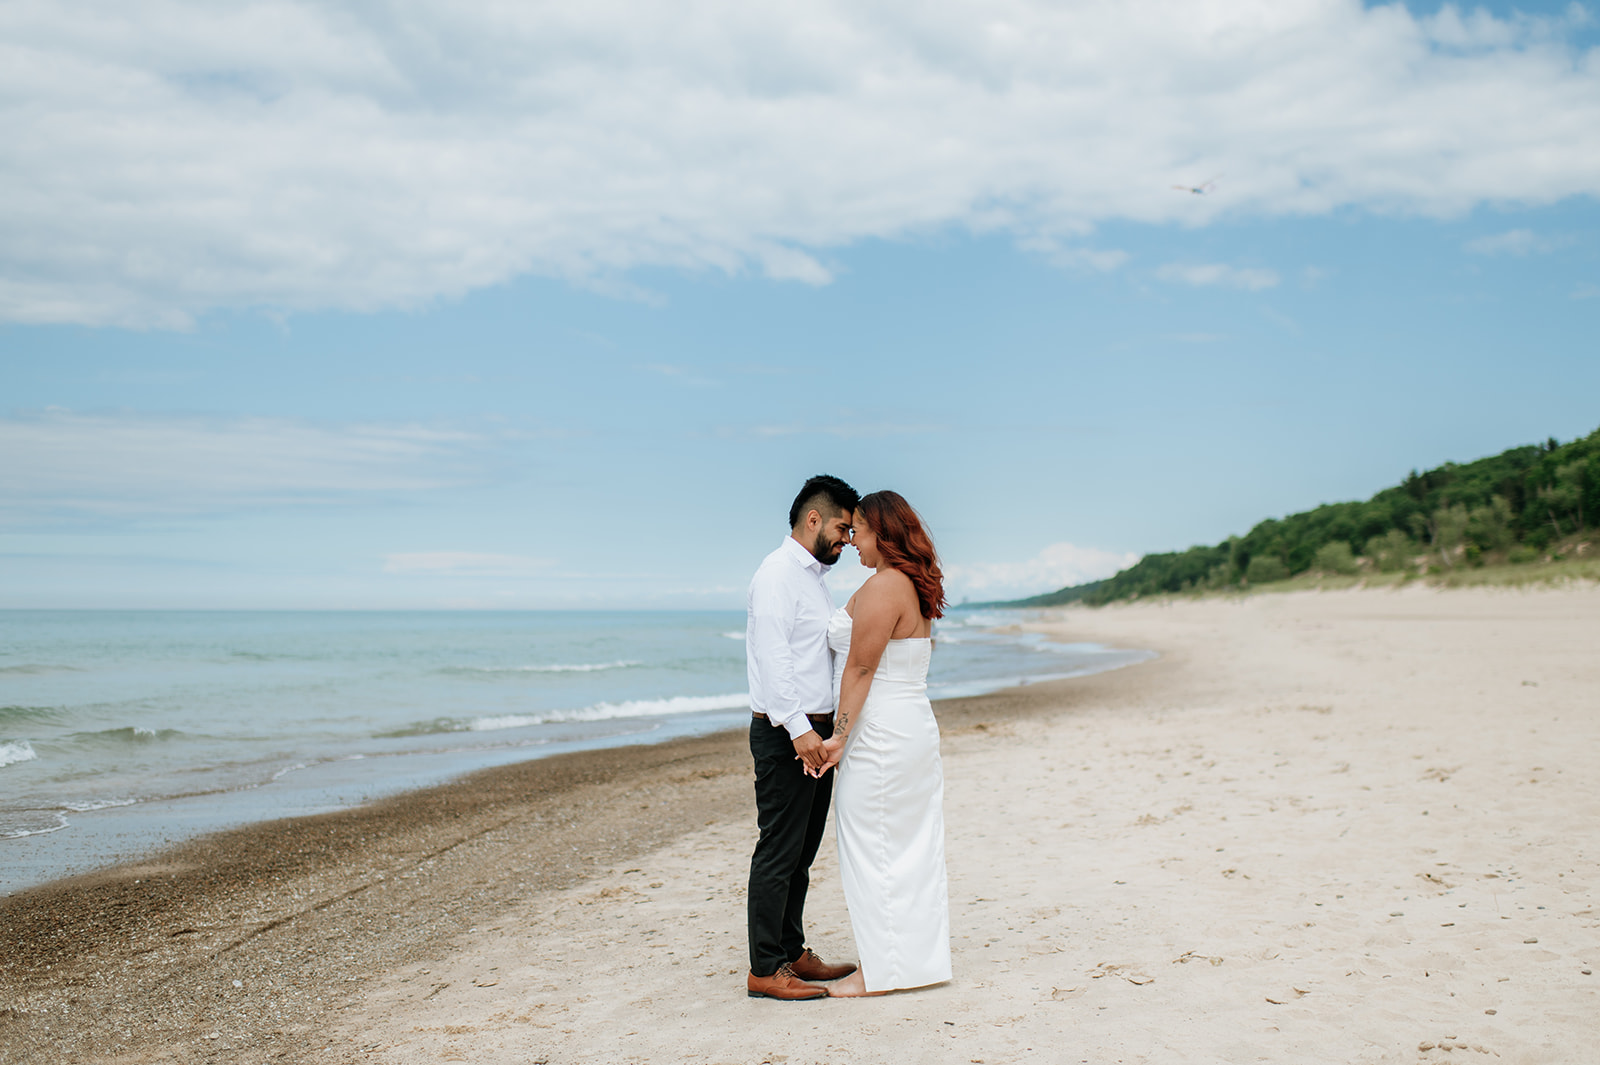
{"x": 843, "y": 694}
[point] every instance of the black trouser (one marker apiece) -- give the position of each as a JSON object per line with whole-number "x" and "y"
{"x": 791, "y": 811}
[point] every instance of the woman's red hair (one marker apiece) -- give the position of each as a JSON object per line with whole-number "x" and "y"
{"x": 906, "y": 546}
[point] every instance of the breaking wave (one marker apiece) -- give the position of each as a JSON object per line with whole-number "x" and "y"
{"x": 680, "y": 704}
{"x": 582, "y": 667}
{"x": 14, "y": 751}
{"x": 126, "y": 734}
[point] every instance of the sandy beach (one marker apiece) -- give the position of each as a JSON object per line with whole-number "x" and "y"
{"x": 1322, "y": 827}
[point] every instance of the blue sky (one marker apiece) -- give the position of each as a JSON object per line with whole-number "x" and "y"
{"x": 321, "y": 307}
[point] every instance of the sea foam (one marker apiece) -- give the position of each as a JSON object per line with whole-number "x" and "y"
{"x": 11, "y": 828}
{"x": 14, "y": 751}
{"x": 91, "y": 805}
{"x": 680, "y": 704}
{"x": 581, "y": 667}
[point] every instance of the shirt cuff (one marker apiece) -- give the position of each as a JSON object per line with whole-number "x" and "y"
{"x": 798, "y": 726}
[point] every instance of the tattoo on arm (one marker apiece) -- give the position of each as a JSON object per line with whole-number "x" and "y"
{"x": 842, "y": 724}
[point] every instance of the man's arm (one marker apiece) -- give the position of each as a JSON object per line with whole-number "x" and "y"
{"x": 772, "y": 616}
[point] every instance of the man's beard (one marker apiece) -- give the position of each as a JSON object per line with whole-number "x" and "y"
{"x": 825, "y": 550}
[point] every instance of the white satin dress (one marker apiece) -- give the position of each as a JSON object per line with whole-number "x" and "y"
{"x": 888, "y": 802}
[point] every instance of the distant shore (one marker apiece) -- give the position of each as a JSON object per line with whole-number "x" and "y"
{"x": 1337, "y": 826}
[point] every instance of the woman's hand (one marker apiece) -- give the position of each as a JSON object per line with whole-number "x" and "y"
{"x": 832, "y": 751}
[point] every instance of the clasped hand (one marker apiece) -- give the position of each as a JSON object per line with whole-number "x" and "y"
{"x": 818, "y": 755}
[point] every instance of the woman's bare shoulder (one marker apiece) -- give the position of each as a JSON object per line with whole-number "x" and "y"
{"x": 886, "y": 579}
{"x": 888, "y": 584}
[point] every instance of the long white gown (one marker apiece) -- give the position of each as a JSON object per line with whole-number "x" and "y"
{"x": 888, "y": 802}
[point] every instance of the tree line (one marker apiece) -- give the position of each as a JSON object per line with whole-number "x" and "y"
{"x": 1511, "y": 507}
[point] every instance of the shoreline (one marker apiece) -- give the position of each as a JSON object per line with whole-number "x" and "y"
{"x": 122, "y": 833}
{"x": 50, "y": 830}
{"x": 191, "y": 918}
{"x": 1342, "y": 826}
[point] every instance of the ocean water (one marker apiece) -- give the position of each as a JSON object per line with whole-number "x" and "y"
{"x": 121, "y": 731}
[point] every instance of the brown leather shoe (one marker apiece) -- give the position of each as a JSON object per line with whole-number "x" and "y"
{"x": 783, "y": 984}
{"x": 810, "y": 967}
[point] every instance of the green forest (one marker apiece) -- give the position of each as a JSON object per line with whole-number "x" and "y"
{"x": 1522, "y": 505}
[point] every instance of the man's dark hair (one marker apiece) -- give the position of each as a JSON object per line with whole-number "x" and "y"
{"x": 825, "y": 495}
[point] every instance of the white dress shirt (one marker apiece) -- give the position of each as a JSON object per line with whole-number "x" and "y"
{"x": 786, "y": 639}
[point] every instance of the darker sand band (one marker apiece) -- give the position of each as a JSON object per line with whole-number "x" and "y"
{"x": 138, "y": 961}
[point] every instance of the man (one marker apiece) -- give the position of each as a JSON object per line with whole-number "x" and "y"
{"x": 791, "y": 699}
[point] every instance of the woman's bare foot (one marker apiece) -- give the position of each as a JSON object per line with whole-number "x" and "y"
{"x": 852, "y": 986}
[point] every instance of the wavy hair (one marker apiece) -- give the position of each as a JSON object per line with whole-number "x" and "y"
{"x": 906, "y": 546}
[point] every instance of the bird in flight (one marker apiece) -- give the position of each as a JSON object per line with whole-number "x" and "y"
{"x": 1200, "y": 189}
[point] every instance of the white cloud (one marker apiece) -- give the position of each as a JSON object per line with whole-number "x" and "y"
{"x": 1248, "y": 278}
{"x": 1059, "y": 565}
{"x": 463, "y": 564}
{"x": 1518, "y": 242}
{"x": 1076, "y": 257}
{"x": 846, "y": 429}
{"x": 788, "y": 264}
{"x": 1585, "y": 290}
{"x": 174, "y": 156}
{"x": 60, "y": 462}
{"x": 681, "y": 374}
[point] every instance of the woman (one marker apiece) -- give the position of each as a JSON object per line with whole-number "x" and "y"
{"x": 889, "y": 794}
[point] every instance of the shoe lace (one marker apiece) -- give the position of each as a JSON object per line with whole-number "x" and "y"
{"x": 786, "y": 970}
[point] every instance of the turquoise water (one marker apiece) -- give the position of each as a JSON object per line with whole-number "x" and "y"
{"x": 170, "y": 723}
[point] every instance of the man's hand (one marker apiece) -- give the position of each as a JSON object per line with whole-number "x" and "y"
{"x": 808, "y": 747}
{"x": 832, "y": 751}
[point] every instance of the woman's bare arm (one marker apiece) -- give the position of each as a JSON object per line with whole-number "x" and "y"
{"x": 876, "y": 611}
{"x": 872, "y": 623}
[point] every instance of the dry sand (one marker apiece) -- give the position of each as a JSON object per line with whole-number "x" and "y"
{"x": 1322, "y": 827}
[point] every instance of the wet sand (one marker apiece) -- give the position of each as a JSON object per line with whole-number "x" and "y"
{"x": 1352, "y": 827}
{"x": 137, "y": 963}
